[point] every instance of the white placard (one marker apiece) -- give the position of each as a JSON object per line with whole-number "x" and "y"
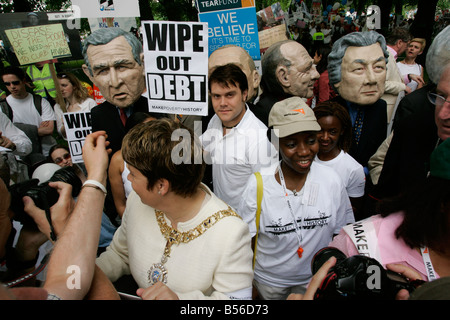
{"x": 78, "y": 125}
{"x": 176, "y": 66}
{"x": 107, "y": 9}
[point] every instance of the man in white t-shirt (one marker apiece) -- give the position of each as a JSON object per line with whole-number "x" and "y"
{"x": 24, "y": 110}
{"x": 235, "y": 141}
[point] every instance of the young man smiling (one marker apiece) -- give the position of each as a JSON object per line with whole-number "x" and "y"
{"x": 235, "y": 140}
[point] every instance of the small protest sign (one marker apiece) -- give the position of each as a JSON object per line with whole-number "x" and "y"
{"x": 78, "y": 125}
{"x": 107, "y": 8}
{"x": 176, "y": 55}
{"x": 38, "y": 43}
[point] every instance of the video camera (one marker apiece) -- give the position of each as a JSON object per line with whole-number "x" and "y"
{"x": 358, "y": 278}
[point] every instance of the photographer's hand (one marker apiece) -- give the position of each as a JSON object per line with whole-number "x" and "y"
{"x": 315, "y": 283}
{"x": 59, "y": 212}
{"x": 95, "y": 156}
{"x": 408, "y": 273}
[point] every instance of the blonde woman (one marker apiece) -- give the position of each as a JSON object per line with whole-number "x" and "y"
{"x": 411, "y": 71}
{"x": 76, "y": 97}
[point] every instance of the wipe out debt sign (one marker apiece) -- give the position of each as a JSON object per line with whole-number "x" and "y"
{"x": 78, "y": 125}
{"x": 176, "y": 67}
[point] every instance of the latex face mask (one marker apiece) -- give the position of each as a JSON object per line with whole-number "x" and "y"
{"x": 363, "y": 74}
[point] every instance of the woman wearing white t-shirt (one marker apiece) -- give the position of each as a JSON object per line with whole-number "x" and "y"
{"x": 304, "y": 204}
{"x": 334, "y": 142}
{"x": 411, "y": 71}
{"x": 75, "y": 96}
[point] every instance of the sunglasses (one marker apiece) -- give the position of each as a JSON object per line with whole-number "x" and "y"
{"x": 64, "y": 157}
{"x": 16, "y": 83}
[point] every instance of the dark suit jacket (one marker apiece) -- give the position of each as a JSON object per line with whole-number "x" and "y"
{"x": 374, "y": 130}
{"x": 106, "y": 117}
{"x": 415, "y": 137}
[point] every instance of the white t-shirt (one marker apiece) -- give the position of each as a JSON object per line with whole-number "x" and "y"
{"x": 351, "y": 172}
{"x": 410, "y": 69}
{"x": 237, "y": 155}
{"x": 24, "y": 110}
{"x": 321, "y": 209}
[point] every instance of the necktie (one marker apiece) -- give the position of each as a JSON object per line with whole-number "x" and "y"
{"x": 357, "y": 127}
{"x": 123, "y": 116}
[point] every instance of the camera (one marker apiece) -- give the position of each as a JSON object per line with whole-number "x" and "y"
{"x": 357, "y": 278}
{"x": 42, "y": 194}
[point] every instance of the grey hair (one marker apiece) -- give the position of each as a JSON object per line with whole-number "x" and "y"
{"x": 106, "y": 35}
{"x": 354, "y": 39}
{"x": 271, "y": 59}
{"x": 438, "y": 55}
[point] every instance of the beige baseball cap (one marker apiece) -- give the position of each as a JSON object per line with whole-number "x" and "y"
{"x": 292, "y": 115}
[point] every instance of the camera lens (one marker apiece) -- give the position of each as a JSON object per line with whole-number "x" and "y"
{"x": 323, "y": 255}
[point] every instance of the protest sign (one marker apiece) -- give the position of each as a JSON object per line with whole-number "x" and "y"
{"x": 78, "y": 125}
{"x": 126, "y": 23}
{"x": 23, "y": 20}
{"x": 236, "y": 26}
{"x": 176, "y": 55}
{"x": 267, "y": 37}
{"x": 107, "y": 8}
{"x": 215, "y": 5}
{"x": 38, "y": 43}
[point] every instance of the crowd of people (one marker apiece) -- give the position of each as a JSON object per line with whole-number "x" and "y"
{"x": 337, "y": 134}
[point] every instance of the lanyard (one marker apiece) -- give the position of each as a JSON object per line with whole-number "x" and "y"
{"x": 297, "y": 228}
{"x": 428, "y": 265}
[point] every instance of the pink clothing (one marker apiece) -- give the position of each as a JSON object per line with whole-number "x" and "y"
{"x": 392, "y": 250}
{"x": 393, "y": 52}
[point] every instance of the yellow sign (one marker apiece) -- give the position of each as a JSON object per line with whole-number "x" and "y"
{"x": 39, "y": 43}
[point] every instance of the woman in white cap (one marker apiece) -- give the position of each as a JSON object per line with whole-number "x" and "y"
{"x": 303, "y": 205}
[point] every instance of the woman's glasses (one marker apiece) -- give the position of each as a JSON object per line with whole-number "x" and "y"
{"x": 64, "y": 157}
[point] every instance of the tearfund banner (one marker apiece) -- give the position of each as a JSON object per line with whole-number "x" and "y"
{"x": 39, "y": 43}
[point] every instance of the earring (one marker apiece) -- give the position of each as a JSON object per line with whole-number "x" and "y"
{"x": 159, "y": 192}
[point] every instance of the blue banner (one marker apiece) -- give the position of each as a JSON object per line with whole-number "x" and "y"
{"x": 234, "y": 26}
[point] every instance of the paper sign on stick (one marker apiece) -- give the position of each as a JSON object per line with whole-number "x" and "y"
{"x": 39, "y": 43}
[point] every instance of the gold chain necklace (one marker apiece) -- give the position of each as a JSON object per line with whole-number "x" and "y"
{"x": 158, "y": 271}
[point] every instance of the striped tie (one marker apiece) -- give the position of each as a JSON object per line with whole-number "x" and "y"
{"x": 357, "y": 127}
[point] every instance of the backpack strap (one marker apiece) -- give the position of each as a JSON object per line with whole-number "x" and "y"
{"x": 6, "y": 109}
{"x": 259, "y": 196}
{"x": 37, "y": 99}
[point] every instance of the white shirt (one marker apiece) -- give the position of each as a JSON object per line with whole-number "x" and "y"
{"x": 237, "y": 155}
{"x": 24, "y": 110}
{"x": 350, "y": 171}
{"x": 85, "y": 106}
{"x": 17, "y": 136}
{"x": 406, "y": 69}
{"x": 321, "y": 209}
